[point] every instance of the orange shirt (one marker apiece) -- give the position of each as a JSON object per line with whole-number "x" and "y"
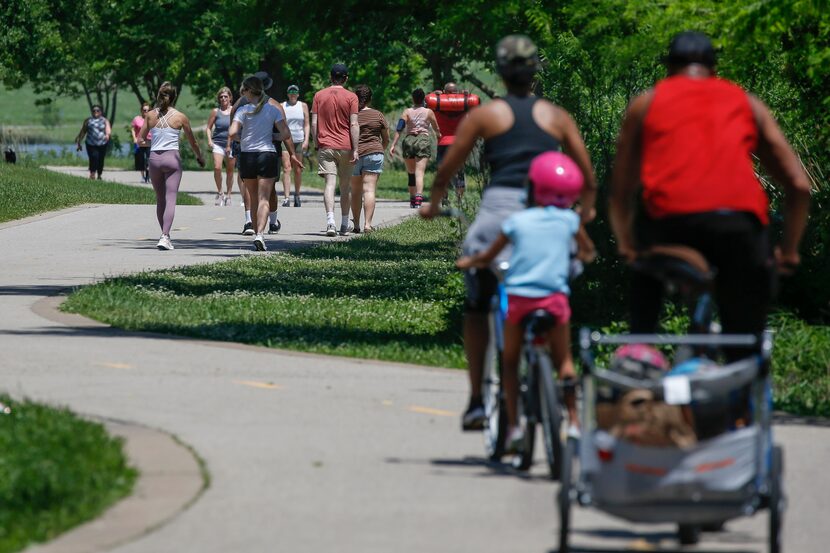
{"x": 697, "y": 144}
{"x": 333, "y": 106}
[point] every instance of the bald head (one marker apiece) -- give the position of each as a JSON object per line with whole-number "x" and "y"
{"x": 451, "y": 88}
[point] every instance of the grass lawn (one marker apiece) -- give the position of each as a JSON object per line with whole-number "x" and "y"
{"x": 31, "y": 190}
{"x": 56, "y": 471}
{"x": 390, "y": 295}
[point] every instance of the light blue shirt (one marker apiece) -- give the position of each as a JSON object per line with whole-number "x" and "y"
{"x": 541, "y": 239}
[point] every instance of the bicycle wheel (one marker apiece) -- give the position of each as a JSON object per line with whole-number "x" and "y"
{"x": 776, "y": 499}
{"x": 550, "y": 413}
{"x": 495, "y": 428}
{"x": 527, "y": 408}
{"x": 564, "y": 497}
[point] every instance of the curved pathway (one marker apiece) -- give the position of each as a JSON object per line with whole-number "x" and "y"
{"x": 305, "y": 453}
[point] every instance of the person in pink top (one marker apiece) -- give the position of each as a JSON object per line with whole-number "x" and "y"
{"x": 141, "y": 151}
{"x": 416, "y": 147}
{"x": 336, "y": 133}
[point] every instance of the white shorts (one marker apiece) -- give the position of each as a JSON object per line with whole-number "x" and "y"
{"x": 217, "y": 149}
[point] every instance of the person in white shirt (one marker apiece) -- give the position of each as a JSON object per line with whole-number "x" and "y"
{"x": 296, "y": 115}
{"x": 253, "y": 124}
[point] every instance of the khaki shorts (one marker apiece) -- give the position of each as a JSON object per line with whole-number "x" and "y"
{"x": 416, "y": 146}
{"x": 335, "y": 162}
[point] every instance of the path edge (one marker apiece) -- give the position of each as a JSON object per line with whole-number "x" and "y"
{"x": 171, "y": 478}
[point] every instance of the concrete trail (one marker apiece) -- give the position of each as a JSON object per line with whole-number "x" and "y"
{"x": 305, "y": 452}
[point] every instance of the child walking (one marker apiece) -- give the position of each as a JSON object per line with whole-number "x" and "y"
{"x": 541, "y": 237}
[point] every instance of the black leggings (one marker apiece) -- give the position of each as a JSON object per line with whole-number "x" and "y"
{"x": 737, "y": 246}
{"x": 96, "y": 158}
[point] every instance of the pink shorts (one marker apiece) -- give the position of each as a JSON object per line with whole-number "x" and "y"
{"x": 556, "y": 304}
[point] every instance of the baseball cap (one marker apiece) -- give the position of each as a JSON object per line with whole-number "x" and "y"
{"x": 265, "y": 78}
{"x": 293, "y": 89}
{"x": 690, "y": 47}
{"x": 518, "y": 51}
{"x": 339, "y": 70}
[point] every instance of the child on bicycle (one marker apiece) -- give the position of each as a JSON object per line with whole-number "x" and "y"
{"x": 542, "y": 237}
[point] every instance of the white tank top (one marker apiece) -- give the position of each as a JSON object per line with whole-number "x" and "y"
{"x": 164, "y": 136}
{"x": 295, "y": 118}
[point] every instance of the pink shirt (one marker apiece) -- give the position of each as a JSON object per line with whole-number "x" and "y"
{"x": 138, "y": 123}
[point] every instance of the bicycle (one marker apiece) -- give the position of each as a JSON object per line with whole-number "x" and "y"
{"x": 541, "y": 399}
{"x": 492, "y": 395}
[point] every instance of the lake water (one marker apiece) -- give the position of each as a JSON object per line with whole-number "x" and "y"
{"x": 59, "y": 150}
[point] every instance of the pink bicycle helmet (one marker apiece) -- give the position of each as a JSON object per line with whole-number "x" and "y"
{"x": 639, "y": 361}
{"x": 555, "y": 179}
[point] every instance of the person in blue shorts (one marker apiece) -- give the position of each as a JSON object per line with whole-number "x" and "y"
{"x": 542, "y": 238}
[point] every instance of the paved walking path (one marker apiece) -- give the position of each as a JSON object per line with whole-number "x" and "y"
{"x": 305, "y": 453}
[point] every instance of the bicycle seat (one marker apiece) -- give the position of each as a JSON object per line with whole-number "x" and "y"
{"x": 541, "y": 321}
{"x": 677, "y": 266}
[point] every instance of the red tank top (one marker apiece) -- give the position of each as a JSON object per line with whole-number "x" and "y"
{"x": 698, "y": 138}
{"x": 448, "y": 123}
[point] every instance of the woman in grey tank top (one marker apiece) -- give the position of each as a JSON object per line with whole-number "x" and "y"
{"x": 97, "y": 131}
{"x": 218, "y": 125}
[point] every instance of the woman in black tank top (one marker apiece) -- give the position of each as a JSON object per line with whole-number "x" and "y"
{"x": 509, "y": 154}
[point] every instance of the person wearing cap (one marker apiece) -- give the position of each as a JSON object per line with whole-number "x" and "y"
{"x": 336, "y": 133}
{"x": 515, "y": 130}
{"x": 686, "y": 148}
{"x": 296, "y": 115}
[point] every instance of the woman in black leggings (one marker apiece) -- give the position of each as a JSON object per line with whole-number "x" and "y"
{"x": 97, "y": 131}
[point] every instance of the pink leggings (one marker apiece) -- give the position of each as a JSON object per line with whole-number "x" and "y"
{"x": 166, "y": 175}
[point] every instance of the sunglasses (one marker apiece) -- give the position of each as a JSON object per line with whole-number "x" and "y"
{"x": 145, "y": 110}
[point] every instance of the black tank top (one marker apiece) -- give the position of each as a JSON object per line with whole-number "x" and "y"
{"x": 510, "y": 154}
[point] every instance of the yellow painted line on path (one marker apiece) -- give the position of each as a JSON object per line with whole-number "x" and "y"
{"x": 219, "y": 219}
{"x": 182, "y": 228}
{"x": 387, "y": 403}
{"x": 258, "y": 384}
{"x": 431, "y": 411}
{"x": 115, "y": 365}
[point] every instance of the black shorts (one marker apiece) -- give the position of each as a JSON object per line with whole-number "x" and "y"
{"x": 254, "y": 165}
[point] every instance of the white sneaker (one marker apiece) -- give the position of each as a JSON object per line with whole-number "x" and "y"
{"x": 164, "y": 243}
{"x": 227, "y": 201}
{"x": 515, "y": 440}
{"x": 330, "y": 230}
{"x": 259, "y": 243}
{"x": 219, "y": 200}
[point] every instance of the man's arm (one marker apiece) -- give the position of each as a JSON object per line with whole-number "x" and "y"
{"x": 354, "y": 132}
{"x": 485, "y": 258}
{"x": 306, "y": 127}
{"x": 625, "y": 177}
{"x": 783, "y": 165}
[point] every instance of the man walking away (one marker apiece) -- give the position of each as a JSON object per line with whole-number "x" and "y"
{"x": 336, "y": 132}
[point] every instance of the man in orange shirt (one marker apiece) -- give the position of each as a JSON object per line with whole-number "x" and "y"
{"x": 336, "y": 132}
{"x": 686, "y": 146}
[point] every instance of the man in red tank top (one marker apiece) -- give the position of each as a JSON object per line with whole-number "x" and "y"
{"x": 448, "y": 122}
{"x": 688, "y": 144}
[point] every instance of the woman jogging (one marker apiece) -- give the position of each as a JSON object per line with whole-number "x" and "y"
{"x": 218, "y": 125}
{"x": 515, "y": 130}
{"x": 97, "y": 131}
{"x": 297, "y": 118}
{"x": 374, "y": 138}
{"x": 165, "y": 163}
{"x": 141, "y": 150}
{"x": 254, "y": 123}
{"x": 416, "y": 148}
